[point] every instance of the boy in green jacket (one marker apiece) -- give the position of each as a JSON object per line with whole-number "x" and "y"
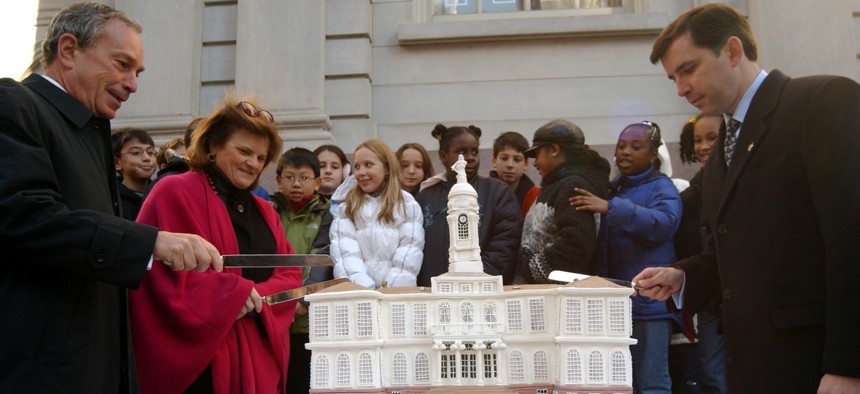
{"x": 306, "y": 220}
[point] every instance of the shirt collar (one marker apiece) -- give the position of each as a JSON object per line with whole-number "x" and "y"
{"x": 744, "y": 104}
{"x": 51, "y": 80}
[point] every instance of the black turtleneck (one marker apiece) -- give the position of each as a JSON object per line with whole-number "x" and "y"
{"x": 252, "y": 232}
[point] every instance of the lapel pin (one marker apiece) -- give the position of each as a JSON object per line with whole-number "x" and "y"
{"x": 750, "y": 148}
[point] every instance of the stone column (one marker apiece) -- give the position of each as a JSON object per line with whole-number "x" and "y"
{"x": 280, "y": 56}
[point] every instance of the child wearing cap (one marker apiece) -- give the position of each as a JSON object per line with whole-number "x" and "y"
{"x": 555, "y": 235}
{"x": 510, "y": 165}
{"x": 638, "y": 225}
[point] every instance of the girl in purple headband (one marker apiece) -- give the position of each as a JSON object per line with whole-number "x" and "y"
{"x": 637, "y": 228}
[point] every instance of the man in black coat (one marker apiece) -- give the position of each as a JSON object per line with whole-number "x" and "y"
{"x": 782, "y": 198}
{"x": 67, "y": 253}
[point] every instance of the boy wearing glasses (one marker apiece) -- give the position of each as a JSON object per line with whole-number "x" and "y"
{"x": 134, "y": 157}
{"x": 306, "y": 220}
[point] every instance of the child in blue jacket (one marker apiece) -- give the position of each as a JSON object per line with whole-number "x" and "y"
{"x": 637, "y": 228}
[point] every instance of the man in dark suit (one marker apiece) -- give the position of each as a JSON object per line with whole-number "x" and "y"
{"x": 782, "y": 200}
{"x": 67, "y": 255}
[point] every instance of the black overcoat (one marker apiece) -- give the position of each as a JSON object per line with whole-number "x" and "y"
{"x": 785, "y": 222}
{"x": 66, "y": 255}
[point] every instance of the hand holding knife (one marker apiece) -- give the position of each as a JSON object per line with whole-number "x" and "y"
{"x": 251, "y": 261}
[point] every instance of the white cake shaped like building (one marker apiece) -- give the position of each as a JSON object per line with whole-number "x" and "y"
{"x": 468, "y": 333}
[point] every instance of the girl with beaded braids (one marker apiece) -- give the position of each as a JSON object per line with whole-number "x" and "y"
{"x": 637, "y": 227}
{"x": 499, "y": 227}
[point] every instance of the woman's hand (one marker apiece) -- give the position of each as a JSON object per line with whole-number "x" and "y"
{"x": 253, "y": 303}
{"x": 586, "y": 201}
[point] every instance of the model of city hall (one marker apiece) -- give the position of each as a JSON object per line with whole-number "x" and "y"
{"x": 468, "y": 333}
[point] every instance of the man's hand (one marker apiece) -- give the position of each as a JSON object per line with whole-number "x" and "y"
{"x": 838, "y": 384}
{"x": 586, "y": 201}
{"x": 253, "y": 303}
{"x": 185, "y": 252}
{"x": 659, "y": 283}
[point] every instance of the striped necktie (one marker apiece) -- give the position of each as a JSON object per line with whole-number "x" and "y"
{"x": 731, "y": 139}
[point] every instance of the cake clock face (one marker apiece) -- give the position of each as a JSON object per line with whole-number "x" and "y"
{"x": 462, "y": 219}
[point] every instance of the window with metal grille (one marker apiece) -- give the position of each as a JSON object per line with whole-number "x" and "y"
{"x": 365, "y": 369}
{"x": 363, "y": 319}
{"x": 398, "y": 319}
{"x": 573, "y": 315}
{"x": 320, "y": 321}
{"x": 341, "y": 320}
{"x": 321, "y": 372}
{"x": 444, "y": 313}
{"x": 538, "y": 316}
{"x": 422, "y": 368}
{"x": 619, "y": 368}
{"x": 574, "y": 367}
{"x": 595, "y": 367}
{"x": 541, "y": 366}
{"x": 516, "y": 367}
{"x": 515, "y": 315}
{"x": 343, "y": 369}
{"x": 419, "y": 319}
{"x": 595, "y": 316}
{"x": 617, "y": 317}
{"x": 398, "y": 371}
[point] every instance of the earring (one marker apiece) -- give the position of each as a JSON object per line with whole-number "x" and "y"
{"x": 553, "y": 154}
{"x": 210, "y": 156}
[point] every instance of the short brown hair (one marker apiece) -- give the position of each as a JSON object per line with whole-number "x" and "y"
{"x": 225, "y": 121}
{"x": 710, "y": 26}
{"x": 510, "y": 139}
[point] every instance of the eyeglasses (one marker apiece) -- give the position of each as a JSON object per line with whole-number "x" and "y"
{"x": 137, "y": 152}
{"x": 251, "y": 110}
{"x": 293, "y": 179}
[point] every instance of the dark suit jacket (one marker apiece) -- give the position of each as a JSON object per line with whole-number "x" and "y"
{"x": 65, "y": 252}
{"x": 785, "y": 219}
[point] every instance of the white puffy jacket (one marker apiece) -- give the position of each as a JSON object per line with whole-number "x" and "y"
{"x": 369, "y": 251}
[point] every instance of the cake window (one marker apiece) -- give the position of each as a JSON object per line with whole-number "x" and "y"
{"x": 573, "y": 315}
{"x": 365, "y": 369}
{"x": 619, "y": 368}
{"x": 595, "y": 316}
{"x": 515, "y": 315}
{"x": 398, "y": 319}
{"x": 595, "y": 367}
{"x": 574, "y": 366}
{"x": 538, "y": 315}
{"x": 419, "y": 319}
{"x": 364, "y": 319}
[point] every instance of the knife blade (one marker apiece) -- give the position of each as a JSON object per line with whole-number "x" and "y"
{"x": 277, "y": 260}
{"x": 567, "y": 277}
{"x": 299, "y": 292}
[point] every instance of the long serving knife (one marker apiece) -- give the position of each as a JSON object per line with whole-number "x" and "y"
{"x": 292, "y": 294}
{"x": 276, "y": 260}
{"x": 567, "y": 277}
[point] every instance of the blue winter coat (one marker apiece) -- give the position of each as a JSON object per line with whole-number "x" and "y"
{"x": 638, "y": 231}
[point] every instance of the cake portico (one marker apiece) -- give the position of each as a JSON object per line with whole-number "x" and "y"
{"x": 468, "y": 332}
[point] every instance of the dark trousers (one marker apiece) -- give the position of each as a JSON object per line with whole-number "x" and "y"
{"x": 299, "y": 371}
